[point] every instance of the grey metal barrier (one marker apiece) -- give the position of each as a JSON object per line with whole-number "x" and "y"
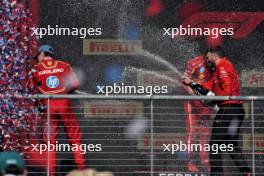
{"x": 154, "y": 111}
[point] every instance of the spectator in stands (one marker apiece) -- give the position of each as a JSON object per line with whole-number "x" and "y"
{"x": 12, "y": 164}
{"x": 89, "y": 172}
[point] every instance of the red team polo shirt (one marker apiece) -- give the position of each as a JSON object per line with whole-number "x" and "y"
{"x": 53, "y": 77}
{"x": 225, "y": 82}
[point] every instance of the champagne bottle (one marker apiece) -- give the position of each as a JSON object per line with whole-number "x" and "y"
{"x": 200, "y": 90}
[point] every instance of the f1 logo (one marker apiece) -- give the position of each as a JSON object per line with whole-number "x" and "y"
{"x": 243, "y": 23}
{"x": 52, "y": 82}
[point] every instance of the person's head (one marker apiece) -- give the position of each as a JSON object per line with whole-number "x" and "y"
{"x": 89, "y": 172}
{"x": 12, "y": 164}
{"x": 213, "y": 54}
{"x": 212, "y": 57}
{"x": 43, "y": 52}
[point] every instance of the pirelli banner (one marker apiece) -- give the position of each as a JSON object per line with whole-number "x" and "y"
{"x": 158, "y": 78}
{"x": 113, "y": 109}
{"x": 253, "y": 78}
{"x": 248, "y": 142}
{"x": 144, "y": 143}
{"x": 111, "y": 47}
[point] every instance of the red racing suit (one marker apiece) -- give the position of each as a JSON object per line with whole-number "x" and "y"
{"x": 196, "y": 112}
{"x": 56, "y": 77}
{"x": 224, "y": 82}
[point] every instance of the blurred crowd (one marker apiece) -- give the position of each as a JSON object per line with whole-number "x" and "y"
{"x": 12, "y": 164}
{"x": 17, "y": 115}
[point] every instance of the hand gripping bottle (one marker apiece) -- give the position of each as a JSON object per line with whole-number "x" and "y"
{"x": 200, "y": 90}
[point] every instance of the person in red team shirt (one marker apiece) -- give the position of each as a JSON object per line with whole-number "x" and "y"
{"x": 228, "y": 120}
{"x": 197, "y": 113}
{"x": 52, "y": 76}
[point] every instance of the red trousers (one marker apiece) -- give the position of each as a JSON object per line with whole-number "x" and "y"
{"x": 60, "y": 111}
{"x": 197, "y": 118}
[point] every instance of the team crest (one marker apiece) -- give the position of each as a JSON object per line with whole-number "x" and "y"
{"x": 202, "y": 70}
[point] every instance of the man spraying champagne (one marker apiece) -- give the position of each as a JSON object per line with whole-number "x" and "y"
{"x": 197, "y": 112}
{"x": 227, "y": 123}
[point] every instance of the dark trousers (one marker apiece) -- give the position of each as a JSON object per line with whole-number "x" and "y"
{"x": 226, "y": 127}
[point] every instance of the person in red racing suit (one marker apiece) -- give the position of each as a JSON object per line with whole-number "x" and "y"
{"x": 52, "y": 76}
{"x": 197, "y": 114}
{"x": 228, "y": 120}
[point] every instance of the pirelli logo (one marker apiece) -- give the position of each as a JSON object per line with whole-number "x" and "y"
{"x": 111, "y": 47}
{"x": 144, "y": 143}
{"x": 252, "y": 78}
{"x": 113, "y": 109}
{"x": 160, "y": 78}
{"x": 248, "y": 142}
